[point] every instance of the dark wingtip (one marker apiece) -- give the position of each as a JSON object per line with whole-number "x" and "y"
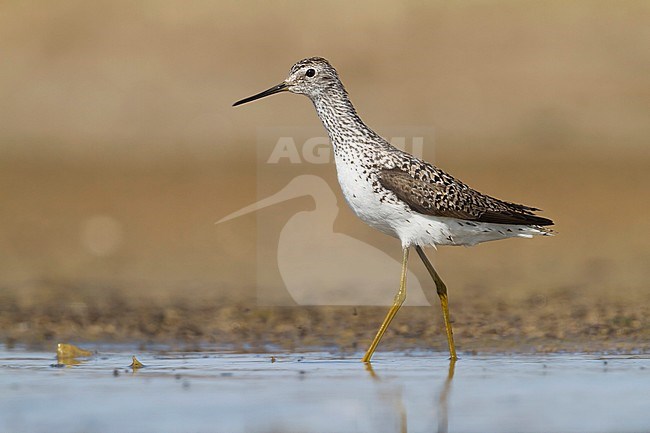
{"x": 544, "y": 221}
{"x": 515, "y": 218}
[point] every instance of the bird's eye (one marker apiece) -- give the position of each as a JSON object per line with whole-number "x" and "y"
{"x": 310, "y": 72}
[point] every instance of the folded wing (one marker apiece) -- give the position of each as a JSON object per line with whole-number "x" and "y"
{"x": 431, "y": 192}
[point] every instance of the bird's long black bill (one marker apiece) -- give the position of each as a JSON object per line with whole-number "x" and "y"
{"x": 275, "y": 89}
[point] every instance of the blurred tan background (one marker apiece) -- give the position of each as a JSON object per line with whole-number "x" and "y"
{"x": 119, "y": 149}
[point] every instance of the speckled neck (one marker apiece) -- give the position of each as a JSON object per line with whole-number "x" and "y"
{"x": 343, "y": 124}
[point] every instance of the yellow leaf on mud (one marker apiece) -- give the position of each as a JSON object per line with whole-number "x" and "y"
{"x": 68, "y": 353}
{"x": 136, "y": 364}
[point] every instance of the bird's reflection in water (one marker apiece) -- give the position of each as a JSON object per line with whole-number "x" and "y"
{"x": 371, "y": 371}
{"x": 442, "y": 408}
{"x": 443, "y": 399}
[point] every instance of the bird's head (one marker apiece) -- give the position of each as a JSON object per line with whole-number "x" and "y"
{"x": 313, "y": 77}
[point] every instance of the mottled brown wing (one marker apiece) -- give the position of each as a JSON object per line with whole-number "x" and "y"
{"x": 456, "y": 200}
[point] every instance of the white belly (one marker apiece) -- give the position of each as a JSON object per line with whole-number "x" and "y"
{"x": 365, "y": 203}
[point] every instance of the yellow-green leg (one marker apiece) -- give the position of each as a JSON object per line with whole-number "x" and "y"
{"x": 397, "y": 303}
{"x": 444, "y": 300}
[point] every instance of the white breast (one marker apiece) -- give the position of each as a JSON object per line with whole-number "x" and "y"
{"x": 365, "y": 203}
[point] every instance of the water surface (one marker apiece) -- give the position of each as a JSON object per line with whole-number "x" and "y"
{"x": 323, "y": 392}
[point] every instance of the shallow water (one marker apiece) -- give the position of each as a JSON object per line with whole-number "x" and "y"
{"x": 318, "y": 392}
